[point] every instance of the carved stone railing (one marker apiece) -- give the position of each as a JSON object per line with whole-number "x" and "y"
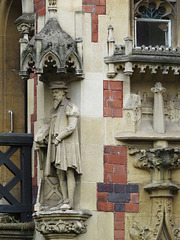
{"x": 127, "y": 57}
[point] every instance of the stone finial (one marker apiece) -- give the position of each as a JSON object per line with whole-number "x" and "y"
{"x": 158, "y": 88}
{"x": 128, "y": 45}
{"x": 158, "y": 114}
{"x": 110, "y": 34}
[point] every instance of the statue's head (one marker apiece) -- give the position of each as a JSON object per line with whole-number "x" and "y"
{"x": 59, "y": 91}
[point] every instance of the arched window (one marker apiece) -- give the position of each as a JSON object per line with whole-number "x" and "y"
{"x": 153, "y": 22}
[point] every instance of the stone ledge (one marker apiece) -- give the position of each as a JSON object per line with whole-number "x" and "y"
{"x": 148, "y": 136}
{"x": 20, "y": 231}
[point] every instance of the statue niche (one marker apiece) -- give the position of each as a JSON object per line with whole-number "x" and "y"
{"x": 153, "y": 115}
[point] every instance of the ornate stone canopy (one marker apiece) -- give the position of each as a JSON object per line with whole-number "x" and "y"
{"x": 50, "y": 52}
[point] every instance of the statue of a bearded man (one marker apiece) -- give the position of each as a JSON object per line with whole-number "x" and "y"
{"x": 62, "y": 142}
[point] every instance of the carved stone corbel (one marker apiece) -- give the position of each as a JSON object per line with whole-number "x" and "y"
{"x": 61, "y": 224}
{"x": 25, "y": 24}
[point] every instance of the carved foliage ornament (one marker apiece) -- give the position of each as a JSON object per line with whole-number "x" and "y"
{"x": 68, "y": 223}
{"x": 156, "y": 158}
{"x": 51, "y": 226}
{"x": 140, "y": 233}
{"x": 161, "y": 226}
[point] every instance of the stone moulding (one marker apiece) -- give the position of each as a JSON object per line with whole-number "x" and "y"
{"x": 64, "y": 224}
{"x": 148, "y": 136}
{"x": 20, "y": 231}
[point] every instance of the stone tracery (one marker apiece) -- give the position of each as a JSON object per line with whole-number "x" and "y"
{"x": 154, "y": 9}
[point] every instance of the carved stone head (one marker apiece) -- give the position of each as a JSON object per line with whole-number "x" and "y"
{"x": 59, "y": 91}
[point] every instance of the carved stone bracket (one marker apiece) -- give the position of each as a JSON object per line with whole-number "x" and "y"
{"x": 160, "y": 163}
{"x": 25, "y": 24}
{"x": 61, "y": 224}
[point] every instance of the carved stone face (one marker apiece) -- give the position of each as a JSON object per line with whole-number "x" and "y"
{"x": 58, "y": 96}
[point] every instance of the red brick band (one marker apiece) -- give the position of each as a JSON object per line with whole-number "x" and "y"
{"x": 113, "y": 98}
{"x": 115, "y": 195}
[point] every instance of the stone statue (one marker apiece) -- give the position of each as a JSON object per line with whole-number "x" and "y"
{"x": 60, "y": 137}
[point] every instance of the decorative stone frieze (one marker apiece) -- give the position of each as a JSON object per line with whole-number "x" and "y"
{"x": 64, "y": 224}
{"x": 140, "y": 233}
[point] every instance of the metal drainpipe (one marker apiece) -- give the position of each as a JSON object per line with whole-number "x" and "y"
{"x": 11, "y": 113}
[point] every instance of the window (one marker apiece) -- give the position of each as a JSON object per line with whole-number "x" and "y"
{"x": 152, "y": 32}
{"x": 153, "y": 22}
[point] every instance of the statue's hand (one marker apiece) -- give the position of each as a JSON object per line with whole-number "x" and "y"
{"x": 56, "y": 142}
{"x": 39, "y": 140}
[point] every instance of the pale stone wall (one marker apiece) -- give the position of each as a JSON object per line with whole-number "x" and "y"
{"x": 96, "y": 130}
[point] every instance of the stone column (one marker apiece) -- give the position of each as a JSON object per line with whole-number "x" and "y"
{"x": 158, "y": 114}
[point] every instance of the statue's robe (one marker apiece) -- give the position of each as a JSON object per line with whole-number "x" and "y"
{"x": 63, "y": 125}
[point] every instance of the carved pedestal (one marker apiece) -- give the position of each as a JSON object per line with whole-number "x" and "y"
{"x": 60, "y": 224}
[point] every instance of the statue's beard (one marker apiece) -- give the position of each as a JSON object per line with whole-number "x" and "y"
{"x": 56, "y": 103}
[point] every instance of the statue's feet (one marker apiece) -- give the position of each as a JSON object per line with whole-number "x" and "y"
{"x": 65, "y": 207}
{"x": 63, "y": 204}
